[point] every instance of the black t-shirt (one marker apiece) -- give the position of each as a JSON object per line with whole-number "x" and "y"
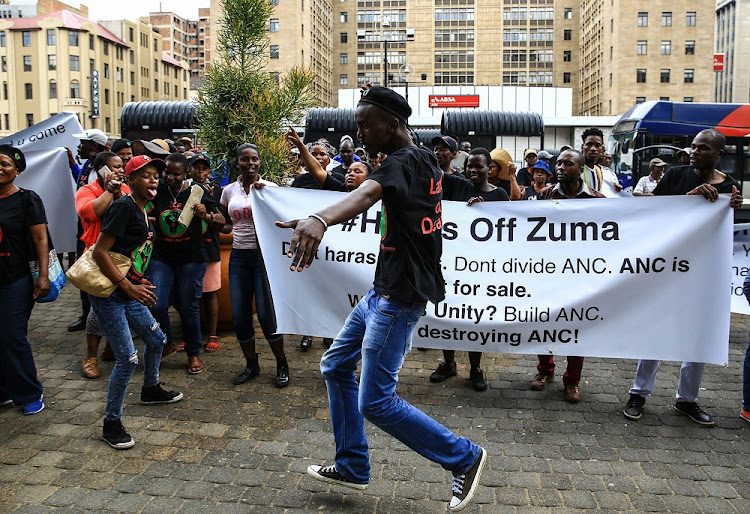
{"x": 333, "y": 184}
{"x": 524, "y": 177}
{"x": 18, "y": 212}
{"x": 133, "y": 237}
{"x": 175, "y": 244}
{"x": 211, "y": 235}
{"x": 410, "y": 227}
{"x": 530, "y": 193}
{"x": 306, "y": 180}
{"x": 680, "y": 180}
{"x": 461, "y": 190}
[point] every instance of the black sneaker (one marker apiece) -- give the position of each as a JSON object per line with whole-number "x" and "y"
{"x": 634, "y": 407}
{"x": 155, "y": 394}
{"x": 464, "y": 486}
{"x": 331, "y": 475}
{"x": 116, "y": 436}
{"x": 306, "y": 343}
{"x": 478, "y": 382}
{"x": 443, "y": 372}
{"x": 694, "y": 412}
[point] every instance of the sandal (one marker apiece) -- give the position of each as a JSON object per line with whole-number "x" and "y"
{"x": 194, "y": 365}
{"x": 212, "y": 345}
{"x": 181, "y": 347}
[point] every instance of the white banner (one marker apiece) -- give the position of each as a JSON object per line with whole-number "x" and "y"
{"x": 740, "y": 267}
{"x": 574, "y": 277}
{"x": 48, "y": 173}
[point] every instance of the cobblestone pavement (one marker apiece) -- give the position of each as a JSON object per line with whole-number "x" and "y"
{"x": 245, "y": 449}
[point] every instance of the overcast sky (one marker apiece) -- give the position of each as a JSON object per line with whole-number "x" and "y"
{"x": 134, "y": 9}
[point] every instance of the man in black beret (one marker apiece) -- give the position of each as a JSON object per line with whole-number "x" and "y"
{"x": 380, "y": 328}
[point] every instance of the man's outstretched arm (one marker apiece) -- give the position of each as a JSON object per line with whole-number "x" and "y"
{"x": 309, "y": 232}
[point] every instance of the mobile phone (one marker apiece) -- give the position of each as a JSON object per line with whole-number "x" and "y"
{"x": 103, "y": 171}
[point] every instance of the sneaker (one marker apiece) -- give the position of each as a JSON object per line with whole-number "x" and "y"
{"x": 116, "y": 436}
{"x": 33, "y": 407}
{"x": 634, "y": 407}
{"x": 306, "y": 343}
{"x": 155, "y": 394}
{"x": 694, "y": 412}
{"x": 573, "y": 394}
{"x": 3, "y": 403}
{"x": 540, "y": 380}
{"x": 478, "y": 382}
{"x": 443, "y": 372}
{"x": 744, "y": 414}
{"x": 464, "y": 486}
{"x": 331, "y": 475}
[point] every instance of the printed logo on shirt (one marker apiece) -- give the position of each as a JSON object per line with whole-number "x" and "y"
{"x": 141, "y": 256}
{"x": 169, "y": 224}
{"x": 383, "y": 224}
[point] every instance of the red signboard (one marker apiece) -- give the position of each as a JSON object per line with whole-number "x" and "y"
{"x": 718, "y": 62}
{"x": 454, "y": 101}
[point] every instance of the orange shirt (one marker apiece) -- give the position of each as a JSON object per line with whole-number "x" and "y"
{"x": 85, "y": 209}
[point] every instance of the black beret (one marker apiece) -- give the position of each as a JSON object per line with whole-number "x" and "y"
{"x": 388, "y": 100}
{"x": 16, "y": 155}
{"x": 120, "y": 144}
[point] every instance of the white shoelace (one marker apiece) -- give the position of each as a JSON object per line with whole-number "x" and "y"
{"x": 458, "y": 483}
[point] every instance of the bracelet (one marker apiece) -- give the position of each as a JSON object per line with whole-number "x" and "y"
{"x": 123, "y": 278}
{"x": 325, "y": 225}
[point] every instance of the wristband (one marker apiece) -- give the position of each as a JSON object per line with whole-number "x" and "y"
{"x": 123, "y": 278}
{"x": 325, "y": 225}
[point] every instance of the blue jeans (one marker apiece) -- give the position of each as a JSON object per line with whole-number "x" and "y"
{"x": 746, "y": 370}
{"x": 186, "y": 282}
{"x": 379, "y": 331}
{"x": 115, "y": 314}
{"x": 247, "y": 280}
{"x": 18, "y": 380}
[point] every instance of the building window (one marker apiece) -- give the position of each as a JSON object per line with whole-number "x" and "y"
{"x": 51, "y": 37}
{"x": 689, "y": 75}
{"x": 666, "y": 19}
{"x": 53, "y": 90}
{"x": 130, "y": 33}
{"x": 274, "y": 24}
{"x": 642, "y": 47}
{"x": 29, "y": 89}
{"x": 106, "y": 96}
{"x": 687, "y": 99}
{"x": 568, "y": 13}
{"x": 75, "y": 63}
{"x": 344, "y": 17}
{"x": 664, "y": 76}
{"x": 26, "y": 36}
{"x": 567, "y": 56}
{"x": 2, "y": 38}
{"x": 72, "y": 38}
{"x": 274, "y": 51}
{"x": 666, "y": 48}
{"x": 643, "y": 19}
{"x": 105, "y": 48}
{"x": 106, "y": 70}
{"x": 52, "y": 62}
{"x": 344, "y": 59}
{"x": 567, "y": 35}
{"x": 689, "y": 47}
{"x": 664, "y": 98}
{"x": 640, "y": 75}
{"x": 3, "y": 63}
{"x": 156, "y": 45}
{"x": 132, "y": 78}
{"x": 344, "y": 80}
{"x": 91, "y": 41}
{"x": 640, "y": 99}
{"x": 690, "y": 19}
{"x": 29, "y": 120}
{"x": 566, "y": 77}
{"x": 344, "y": 37}
{"x": 26, "y": 63}
{"x": 275, "y": 76}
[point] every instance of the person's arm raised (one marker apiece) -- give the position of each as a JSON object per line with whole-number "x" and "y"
{"x": 311, "y": 163}
{"x": 309, "y": 232}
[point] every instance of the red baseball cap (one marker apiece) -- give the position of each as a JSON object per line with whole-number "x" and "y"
{"x": 140, "y": 161}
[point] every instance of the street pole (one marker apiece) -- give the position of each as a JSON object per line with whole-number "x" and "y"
{"x": 385, "y": 62}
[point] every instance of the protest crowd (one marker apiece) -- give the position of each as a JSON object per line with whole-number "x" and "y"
{"x": 162, "y": 204}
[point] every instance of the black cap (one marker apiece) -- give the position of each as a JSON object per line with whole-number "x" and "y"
{"x": 120, "y": 144}
{"x": 199, "y": 157}
{"x": 16, "y": 156}
{"x": 447, "y": 141}
{"x": 386, "y": 99}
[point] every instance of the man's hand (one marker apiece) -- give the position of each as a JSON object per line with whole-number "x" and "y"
{"x": 71, "y": 159}
{"x": 474, "y": 199}
{"x": 736, "y": 201}
{"x": 305, "y": 241}
{"x": 293, "y": 137}
{"x": 199, "y": 210}
{"x": 707, "y": 191}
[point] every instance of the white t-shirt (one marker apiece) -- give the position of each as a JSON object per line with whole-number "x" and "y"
{"x": 646, "y": 185}
{"x": 237, "y": 203}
